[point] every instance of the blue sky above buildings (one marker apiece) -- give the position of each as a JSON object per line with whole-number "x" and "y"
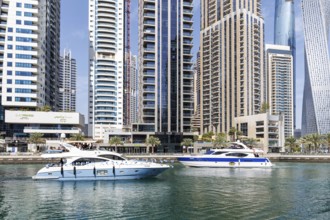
{"x": 74, "y": 36}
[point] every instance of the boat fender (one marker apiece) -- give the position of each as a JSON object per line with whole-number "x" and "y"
{"x": 94, "y": 171}
{"x": 74, "y": 172}
{"x": 114, "y": 171}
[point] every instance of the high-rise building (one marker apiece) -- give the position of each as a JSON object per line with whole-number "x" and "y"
{"x": 165, "y": 65}
{"x": 134, "y": 87}
{"x": 284, "y": 34}
{"x": 106, "y": 66}
{"x": 68, "y": 76}
{"x": 29, "y": 51}
{"x": 316, "y": 101}
{"x": 232, "y": 62}
{"x": 279, "y": 70}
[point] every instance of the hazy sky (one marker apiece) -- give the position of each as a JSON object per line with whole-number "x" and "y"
{"x": 74, "y": 36}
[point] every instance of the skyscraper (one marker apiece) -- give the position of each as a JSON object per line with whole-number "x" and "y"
{"x": 106, "y": 66}
{"x": 232, "y": 62}
{"x": 284, "y": 33}
{"x": 134, "y": 86}
{"x": 29, "y": 51}
{"x": 166, "y": 68}
{"x": 316, "y": 101}
{"x": 67, "y": 78}
{"x": 279, "y": 69}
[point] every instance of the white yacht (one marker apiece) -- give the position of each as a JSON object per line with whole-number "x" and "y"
{"x": 236, "y": 155}
{"x": 77, "y": 164}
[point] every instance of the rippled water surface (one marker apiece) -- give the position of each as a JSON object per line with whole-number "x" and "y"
{"x": 287, "y": 191}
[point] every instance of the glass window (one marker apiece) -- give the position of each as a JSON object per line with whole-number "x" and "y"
{"x": 18, "y": 22}
{"x": 28, "y": 14}
{"x": 18, "y": 13}
{"x": 9, "y": 72}
{"x": 28, "y": 23}
{"x": 9, "y": 90}
{"x": 10, "y": 38}
{"x": 9, "y": 99}
{"x": 9, "y": 46}
{"x": 18, "y": 4}
{"x": 10, "y": 29}
{"x": 9, "y": 63}
{"x": 28, "y": 6}
{"x": 10, "y": 55}
{"x": 9, "y": 81}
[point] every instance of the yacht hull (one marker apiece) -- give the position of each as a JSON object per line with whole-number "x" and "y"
{"x": 225, "y": 162}
{"x": 99, "y": 173}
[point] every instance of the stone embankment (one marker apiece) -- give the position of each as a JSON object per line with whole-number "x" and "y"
{"x": 36, "y": 159}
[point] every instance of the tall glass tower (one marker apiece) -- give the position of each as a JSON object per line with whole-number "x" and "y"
{"x": 166, "y": 67}
{"x": 284, "y": 34}
{"x": 316, "y": 101}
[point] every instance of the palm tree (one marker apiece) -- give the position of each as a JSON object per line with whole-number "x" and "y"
{"x": 77, "y": 137}
{"x": 187, "y": 142}
{"x": 220, "y": 140}
{"x": 264, "y": 107}
{"x": 36, "y": 138}
{"x": 115, "y": 141}
{"x": 250, "y": 142}
{"x": 313, "y": 141}
{"x": 291, "y": 143}
{"x": 152, "y": 141}
{"x": 232, "y": 133}
{"x": 316, "y": 141}
{"x": 306, "y": 141}
{"x": 207, "y": 136}
{"x": 326, "y": 141}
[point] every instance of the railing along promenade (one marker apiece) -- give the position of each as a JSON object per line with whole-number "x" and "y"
{"x": 35, "y": 158}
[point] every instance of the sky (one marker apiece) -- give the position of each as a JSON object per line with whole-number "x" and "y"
{"x": 74, "y": 36}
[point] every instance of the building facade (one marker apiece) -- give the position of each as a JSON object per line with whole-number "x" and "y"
{"x": 106, "y": 66}
{"x": 284, "y": 34}
{"x": 266, "y": 128}
{"x": 166, "y": 67}
{"x": 67, "y": 78}
{"x": 232, "y": 62}
{"x": 134, "y": 87}
{"x": 316, "y": 102}
{"x": 280, "y": 77}
{"x": 29, "y": 51}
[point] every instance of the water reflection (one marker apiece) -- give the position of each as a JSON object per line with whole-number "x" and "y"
{"x": 288, "y": 191}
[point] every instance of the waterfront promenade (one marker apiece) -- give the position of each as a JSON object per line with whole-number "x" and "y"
{"x": 30, "y": 158}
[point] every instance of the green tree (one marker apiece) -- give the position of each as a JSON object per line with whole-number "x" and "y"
{"x": 115, "y": 141}
{"x": 326, "y": 141}
{"x": 36, "y": 138}
{"x": 232, "y": 133}
{"x": 77, "y": 137}
{"x": 313, "y": 141}
{"x": 292, "y": 144}
{"x": 306, "y": 141}
{"x": 250, "y": 142}
{"x": 207, "y": 136}
{"x": 153, "y": 142}
{"x": 186, "y": 143}
{"x": 220, "y": 140}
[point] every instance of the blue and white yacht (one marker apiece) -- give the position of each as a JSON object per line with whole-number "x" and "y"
{"x": 96, "y": 165}
{"x": 236, "y": 155}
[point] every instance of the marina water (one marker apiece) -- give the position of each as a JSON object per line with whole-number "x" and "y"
{"x": 286, "y": 191}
